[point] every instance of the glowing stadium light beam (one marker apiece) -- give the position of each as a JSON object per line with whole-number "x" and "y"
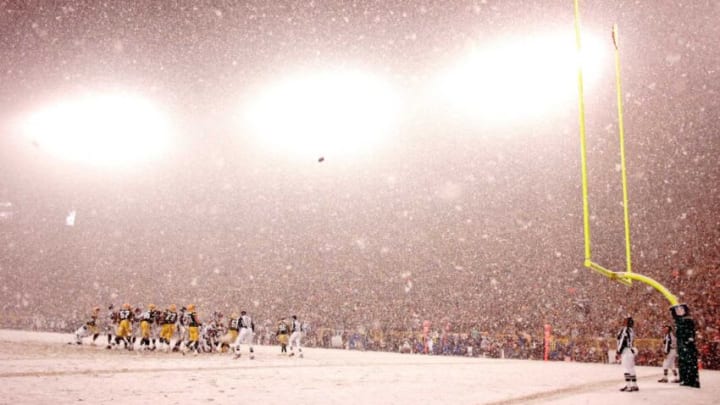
{"x": 329, "y": 113}
{"x": 517, "y": 78}
{"x": 100, "y": 129}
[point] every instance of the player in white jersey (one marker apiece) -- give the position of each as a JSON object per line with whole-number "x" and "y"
{"x": 245, "y": 335}
{"x": 182, "y": 330}
{"x": 626, "y": 351}
{"x": 110, "y": 324}
{"x": 89, "y": 328}
{"x": 670, "y": 351}
{"x": 211, "y": 333}
{"x": 295, "y": 336}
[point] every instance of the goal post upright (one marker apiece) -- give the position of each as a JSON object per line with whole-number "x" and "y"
{"x": 687, "y": 350}
{"x": 588, "y": 262}
{"x": 623, "y": 166}
{"x": 627, "y": 276}
{"x": 583, "y": 148}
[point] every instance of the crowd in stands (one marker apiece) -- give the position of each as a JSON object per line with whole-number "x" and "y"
{"x": 583, "y": 327}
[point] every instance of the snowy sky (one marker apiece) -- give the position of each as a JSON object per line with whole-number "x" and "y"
{"x": 443, "y": 199}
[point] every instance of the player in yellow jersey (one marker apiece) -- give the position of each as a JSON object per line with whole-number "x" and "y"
{"x": 193, "y": 324}
{"x": 282, "y": 334}
{"x": 124, "y": 329}
{"x": 168, "y": 319}
{"x": 147, "y": 319}
{"x": 232, "y": 333}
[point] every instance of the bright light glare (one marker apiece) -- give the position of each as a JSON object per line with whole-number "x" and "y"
{"x": 334, "y": 113}
{"x": 106, "y": 130}
{"x": 519, "y": 79}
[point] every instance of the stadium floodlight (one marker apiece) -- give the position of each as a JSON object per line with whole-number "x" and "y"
{"x": 337, "y": 113}
{"x": 516, "y": 79}
{"x": 110, "y": 129}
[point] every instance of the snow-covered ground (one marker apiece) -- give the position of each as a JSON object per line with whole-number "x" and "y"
{"x": 40, "y": 368}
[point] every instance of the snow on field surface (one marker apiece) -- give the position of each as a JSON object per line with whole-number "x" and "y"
{"x": 40, "y": 368}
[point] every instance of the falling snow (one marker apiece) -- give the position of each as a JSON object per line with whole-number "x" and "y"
{"x": 450, "y": 187}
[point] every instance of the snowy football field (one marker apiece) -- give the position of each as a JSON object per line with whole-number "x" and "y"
{"x": 40, "y": 368}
